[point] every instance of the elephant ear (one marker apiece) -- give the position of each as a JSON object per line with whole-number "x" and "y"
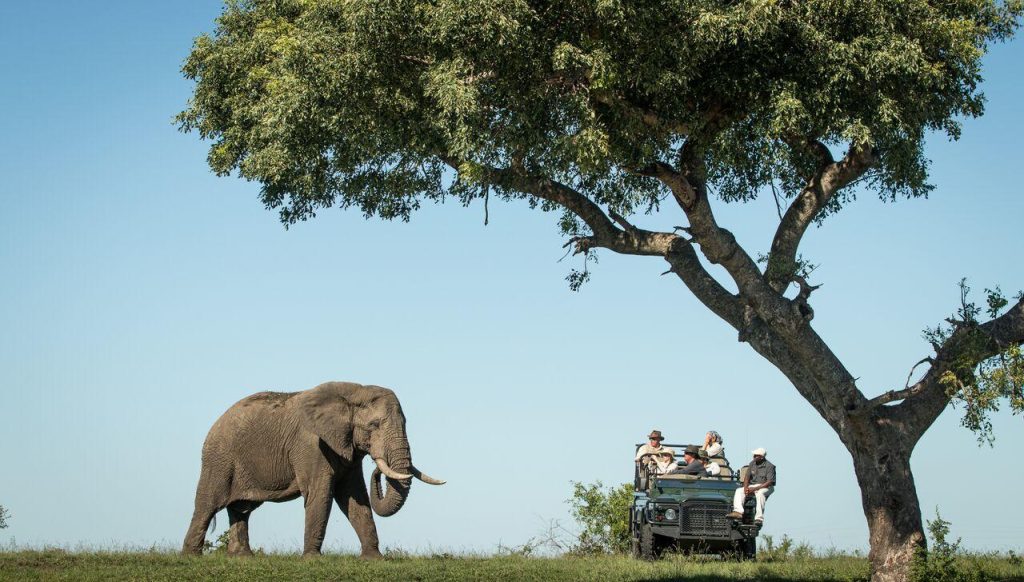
{"x": 328, "y": 414}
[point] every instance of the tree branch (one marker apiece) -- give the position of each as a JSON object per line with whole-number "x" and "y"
{"x": 968, "y": 346}
{"x": 683, "y": 261}
{"x": 632, "y": 241}
{"x": 894, "y": 395}
{"x": 645, "y": 115}
{"x": 788, "y": 322}
{"x": 819, "y": 191}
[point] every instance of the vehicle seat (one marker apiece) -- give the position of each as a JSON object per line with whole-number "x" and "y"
{"x": 723, "y": 463}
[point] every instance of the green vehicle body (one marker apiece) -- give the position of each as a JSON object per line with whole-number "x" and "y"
{"x": 688, "y": 513}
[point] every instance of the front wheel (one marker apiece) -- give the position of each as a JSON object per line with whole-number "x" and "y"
{"x": 648, "y": 543}
{"x": 748, "y": 549}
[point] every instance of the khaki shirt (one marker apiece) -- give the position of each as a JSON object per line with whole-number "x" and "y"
{"x": 645, "y": 449}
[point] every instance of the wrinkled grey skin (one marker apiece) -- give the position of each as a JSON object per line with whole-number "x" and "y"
{"x": 275, "y": 446}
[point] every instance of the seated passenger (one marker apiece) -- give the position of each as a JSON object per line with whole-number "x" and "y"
{"x": 666, "y": 461}
{"x": 653, "y": 446}
{"x": 713, "y": 444}
{"x": 692, "y": 459}
{"x": 712, "y": 468}
{"x": 759, "y": 482}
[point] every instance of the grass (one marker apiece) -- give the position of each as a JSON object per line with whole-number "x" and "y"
{"x": 64, "y": 565}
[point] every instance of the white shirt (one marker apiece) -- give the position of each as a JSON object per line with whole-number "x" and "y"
{"x": 713, "y": 469}
{"x": 668, "y": 467}
{"x": 715, "y": 449}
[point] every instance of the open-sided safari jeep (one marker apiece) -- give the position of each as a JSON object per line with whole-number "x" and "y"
{"x": 688, "y": 512}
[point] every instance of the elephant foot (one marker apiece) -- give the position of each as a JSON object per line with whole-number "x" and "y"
{"x": 192, "y": 551}
{"x": 370, "y": 554}
{"x": 311, "y": 554}
{"x": 243, "y": 553}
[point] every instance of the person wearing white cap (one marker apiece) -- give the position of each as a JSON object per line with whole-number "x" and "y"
{"x": 759, "y": 482}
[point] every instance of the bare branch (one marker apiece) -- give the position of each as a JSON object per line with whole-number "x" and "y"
{"x": 927, "y": 360}
{"x": 775, "y": 195}
{"x": 805, "y": 288}
{"x": 800, "y": 302}
{"x": 621, "y": 221}
{"x": 894, "y": 395}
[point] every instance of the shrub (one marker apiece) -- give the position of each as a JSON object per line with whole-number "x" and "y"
{"x": 940, "y": 563}
{"x": 603, "y": 516}
{"x": 220, "y": 546}
{"x": 4, "y": 516}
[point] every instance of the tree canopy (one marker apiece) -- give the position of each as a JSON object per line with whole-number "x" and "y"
{"x": 361, "y": 103}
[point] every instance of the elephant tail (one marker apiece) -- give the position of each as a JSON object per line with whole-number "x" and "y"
{"x": 213, "y": 525}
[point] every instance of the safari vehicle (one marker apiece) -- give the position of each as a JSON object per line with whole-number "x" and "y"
{"x": 688, "y": 512}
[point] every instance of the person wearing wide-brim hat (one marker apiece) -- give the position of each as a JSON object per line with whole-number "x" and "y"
{"x": 691, "y": 456}
{"x": 666, "y": 461}
{"x": 653, "y": 445}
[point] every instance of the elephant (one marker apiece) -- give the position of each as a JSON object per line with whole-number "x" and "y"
{"x": 276, "y": 446}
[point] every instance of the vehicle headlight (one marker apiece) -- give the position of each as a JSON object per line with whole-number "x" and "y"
{"x": 670, "y": 514}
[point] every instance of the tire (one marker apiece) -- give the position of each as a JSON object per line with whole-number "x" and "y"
{"x": 748, "y": 549}
{"x": 648, "y": 543}
{"x": 742, "y": 550}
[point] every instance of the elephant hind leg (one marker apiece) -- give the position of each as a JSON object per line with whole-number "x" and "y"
{"x": 195, "y": 538}
{"x": 211, "y": 496}
{"x": 238, "y": 538}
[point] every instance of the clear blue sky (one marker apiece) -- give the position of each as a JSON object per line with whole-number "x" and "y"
{"x": 142, "y": 296}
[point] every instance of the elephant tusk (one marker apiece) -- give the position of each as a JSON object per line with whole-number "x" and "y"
{"x": 389, "y": 472}
{"x": 426, "y": 478}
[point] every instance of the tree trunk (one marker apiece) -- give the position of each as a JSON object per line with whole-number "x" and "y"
{"x": 889, "y": 497}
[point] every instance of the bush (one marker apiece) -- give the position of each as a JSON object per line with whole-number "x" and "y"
{"x": 770, "y": 552}
{"x": 4, "y": 516}
{"x": 940, "y": 563}
{"x": 603, "y": 515}
{"x": 220, "y": 546}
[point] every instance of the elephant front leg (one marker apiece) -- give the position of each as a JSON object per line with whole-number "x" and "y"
{"x": 352, "y": 499}
{"x": 318, "y": 510}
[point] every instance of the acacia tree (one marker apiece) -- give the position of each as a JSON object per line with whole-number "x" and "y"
{"x": 607, "y": 110}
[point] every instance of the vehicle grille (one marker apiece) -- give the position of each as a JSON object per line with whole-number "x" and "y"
{"x": 703, "y": 518}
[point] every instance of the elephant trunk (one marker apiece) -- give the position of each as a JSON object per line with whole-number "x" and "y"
{"x": 396, "y": 466}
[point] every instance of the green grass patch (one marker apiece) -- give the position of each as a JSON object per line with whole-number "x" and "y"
{"x": 63, "y": 565}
